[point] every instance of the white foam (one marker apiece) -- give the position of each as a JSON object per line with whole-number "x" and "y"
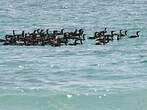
{"x": 100, "y": 97}
{"x": 20, "y": 66}
{"x": 108, "y": 90}
{"x": 69, "y": 96}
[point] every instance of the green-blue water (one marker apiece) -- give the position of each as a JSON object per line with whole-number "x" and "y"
{"x": 84, "y": 77}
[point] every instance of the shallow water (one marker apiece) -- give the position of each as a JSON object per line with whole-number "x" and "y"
{"x": 85, "y": 77}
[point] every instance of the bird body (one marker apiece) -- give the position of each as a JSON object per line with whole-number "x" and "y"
{"x": 135, "y": 36}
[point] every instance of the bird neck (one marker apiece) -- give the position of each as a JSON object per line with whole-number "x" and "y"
{"x": 105, "y": 30}
{"x": 137, "y": 33}
{"x": 125, "y": 32}
{"x": 112, "y": 33}
{"x": 62, "y": 31}
{"x": 120, "y": 32}
{"x": 13, "y": 32}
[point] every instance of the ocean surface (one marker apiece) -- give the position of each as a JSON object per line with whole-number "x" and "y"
{"x": 83, "y": 77}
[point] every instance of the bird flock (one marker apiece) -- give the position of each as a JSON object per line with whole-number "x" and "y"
{"x": 42, "y": 37}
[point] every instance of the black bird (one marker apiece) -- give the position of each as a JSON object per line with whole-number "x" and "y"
{"x": 122, "y": 35}
{"x": 99, "y": 34}
{"x": 134, "y": 36}
{"x": 105, "y": 31}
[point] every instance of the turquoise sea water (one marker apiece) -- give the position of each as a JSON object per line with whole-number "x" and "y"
{"x": 84, "y": 77}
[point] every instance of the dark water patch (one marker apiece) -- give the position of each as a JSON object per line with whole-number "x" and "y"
{"x": 144, "y": 62}
{"x": 3, "y": 83}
